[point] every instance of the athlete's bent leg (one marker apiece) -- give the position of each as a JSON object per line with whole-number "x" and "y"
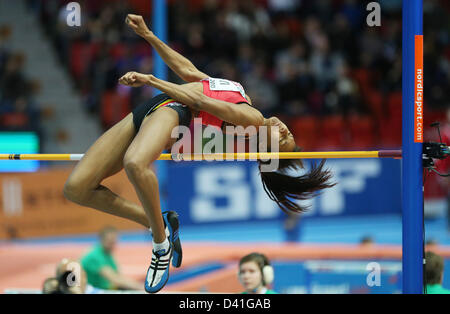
{"x": 103, "y": 159}
{"x": 152, "y": 138}
{"x": 147, "y": 146}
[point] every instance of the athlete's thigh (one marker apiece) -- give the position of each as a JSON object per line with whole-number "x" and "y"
{"x": 153, "y": 136}
{"x": 105, "y": 157}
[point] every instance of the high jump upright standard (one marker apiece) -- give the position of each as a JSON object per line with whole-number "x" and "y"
{"x": 412, "y": 139}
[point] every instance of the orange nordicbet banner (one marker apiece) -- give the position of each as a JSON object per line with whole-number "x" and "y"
{"x": 33, "y": 205}
{"x": 418, "y": 90}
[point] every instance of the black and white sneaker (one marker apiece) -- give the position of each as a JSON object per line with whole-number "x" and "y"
{"x": 158, "y": 272}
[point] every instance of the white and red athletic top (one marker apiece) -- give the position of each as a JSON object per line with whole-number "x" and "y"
{"x": 221, "y": 89}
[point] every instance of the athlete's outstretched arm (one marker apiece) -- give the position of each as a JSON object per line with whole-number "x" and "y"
{"x": 237, "y": 114}
{"x": 179, "y": 64}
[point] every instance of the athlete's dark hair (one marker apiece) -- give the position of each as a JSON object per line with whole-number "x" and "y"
{"x": 285, "y": 189}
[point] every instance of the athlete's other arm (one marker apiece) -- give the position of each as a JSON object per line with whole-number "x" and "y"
{"x": 236, "y": 114}
{"x": 179, "y": 64}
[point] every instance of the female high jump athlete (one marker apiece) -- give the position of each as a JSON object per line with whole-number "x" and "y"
{"x": 137, "y": 141}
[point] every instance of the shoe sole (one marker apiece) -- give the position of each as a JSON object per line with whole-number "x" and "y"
{"x": 173, "y": 225}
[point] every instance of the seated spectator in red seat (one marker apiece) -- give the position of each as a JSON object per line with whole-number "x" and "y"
{"x": 114, "y": 107}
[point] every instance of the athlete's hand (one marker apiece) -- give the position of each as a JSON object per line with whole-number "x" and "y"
{"x": 137, "y": 23}
{"x": 134, "y": 79}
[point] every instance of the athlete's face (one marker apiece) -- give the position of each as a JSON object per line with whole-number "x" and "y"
{"x": 277, "y": 129}
{"x": 250, "y": 276}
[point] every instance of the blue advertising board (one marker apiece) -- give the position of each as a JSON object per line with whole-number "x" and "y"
{"x": 338, "y": 277}
{"x": 231, "y": 191}
{"x": 326, "y": 276}
{"x": 19, "y": 143}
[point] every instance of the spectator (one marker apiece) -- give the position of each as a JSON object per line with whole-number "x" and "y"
{"x": 291, "y": 226}
{"x": 297, "y": 57}
{"x": 366, "y": 240}
{"x": 51, "y": 286}
{"x": 443, "y": 165}
{"x": 18, "y": 111}
{"x": 101, "y": 268}
{"x": 5, "y": 33}
{"x": 256, "y": 274}
{"x": 434, "y": 273}
{"x": 69, "y": 279}
{"x": 261, "y": 89}
{"x": 12, "y": 81}
{"x": 66, "y": 274}
{"x": 284, "y": 5}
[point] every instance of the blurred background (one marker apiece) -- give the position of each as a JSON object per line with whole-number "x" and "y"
{"x": 315, "y": 64}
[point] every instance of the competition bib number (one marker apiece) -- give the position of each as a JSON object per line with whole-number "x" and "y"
{"x": 225, "y": 85}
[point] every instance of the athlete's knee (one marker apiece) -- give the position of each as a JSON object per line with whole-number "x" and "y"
{"x": 133, "y": 167}
{"x": 136, "y": 168}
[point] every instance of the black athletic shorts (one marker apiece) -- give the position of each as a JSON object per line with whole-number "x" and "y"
{"x": 143, "y": 110}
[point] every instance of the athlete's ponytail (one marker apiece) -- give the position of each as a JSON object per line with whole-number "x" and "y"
{"x": 285, "y": 189}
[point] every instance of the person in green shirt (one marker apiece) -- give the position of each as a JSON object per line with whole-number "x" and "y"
{"x": 256, "y": 274}
{"x": 101, "y": 268}
{"x": 434, "y": 273}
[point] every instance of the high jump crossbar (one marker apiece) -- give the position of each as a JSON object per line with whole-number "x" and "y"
{"x": 397, "y": 154}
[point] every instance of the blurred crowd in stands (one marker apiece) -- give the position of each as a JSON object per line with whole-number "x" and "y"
{"x": 317, "y": 64}
{"x": 18, "y": 110}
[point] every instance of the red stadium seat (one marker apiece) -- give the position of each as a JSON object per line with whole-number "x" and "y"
{"x": 431, "y": 116}
{"x": 305, "y": 131}
{"x": 390, "y": 133}
{"x": 81, "y": 55}
{"x": 362, "y": 76}
{"x": 332, "y": 133}
{"x": 375, "y": 102}
{"x": 114, "y": 107}
{"x": 394, "y": 104}
{"x": 14, "y": 120}
{"x": 117, "y": 51}
{"x": 141, "y": 7}
{"x": 434, "y": 189}
{"x": 362, "y": 132}
{"x": 391, "y": 125}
